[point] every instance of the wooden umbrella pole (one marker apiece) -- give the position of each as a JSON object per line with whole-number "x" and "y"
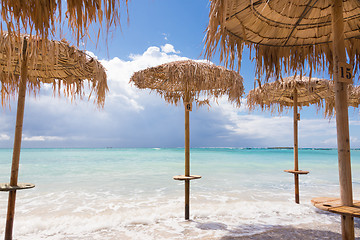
{"x": 187, "y": 160}
{"x": 342, "y": 120}
{"x": 17, "y": 145}
{"x": 296, "y": 148}
{"x": 187, "y": 144}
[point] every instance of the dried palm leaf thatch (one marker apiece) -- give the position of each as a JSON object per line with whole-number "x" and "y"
{"x": 44, "y": 16}
{"x": 286, "y": 35}
{"x": 56, "y": 63}
{"x": 188, "y": 80}
{"x": 353, "y": 99}
{"x": 278, "y": 96}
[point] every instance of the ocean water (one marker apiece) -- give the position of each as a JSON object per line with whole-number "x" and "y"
{"x": 130, "y": 194}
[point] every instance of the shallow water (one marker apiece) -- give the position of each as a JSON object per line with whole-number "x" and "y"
{"x": 130, "y": 194}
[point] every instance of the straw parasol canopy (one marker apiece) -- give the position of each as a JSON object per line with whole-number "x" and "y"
{"x": 58, "y": 64}
{"x": 285, "y": 35}
{"x": 176, "y": 79}
{"x": 290, "y": 92}
{"x": 187, "y": 81}
{"x": 279, "y": 95}
{"x": 45, "y": 18}
{"x": 290, "y": 36}
{"x": 353, "y": 100}
{"x": 26, "y": 63}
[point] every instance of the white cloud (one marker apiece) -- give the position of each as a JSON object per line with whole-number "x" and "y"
{"x": 119, "y": 73}
{"x": 317, "y": 127}
{"x": 60, "y": 122}
{"x": 354, "y": 140}
{"x": 330, "y": 141}
{"x": 134, "y": 117}
{"x": 165, "y": 36}
{"x": 42, "y": 138}
{"x": 354, "y": 123}
{"x": 259, "y": 127}
{"x": 4, "y": 137}
{"x": 168, "y": 48}
{"x": 253, "y": 126}
{"x": 275, "y": 130}
{"x": 91, "y": 54}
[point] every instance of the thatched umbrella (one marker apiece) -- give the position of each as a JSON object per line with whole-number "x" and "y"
{"x": 186, "y": 81}
{"x": 25, "y": 65}
{"x": 291, "y": 36}
{"x": 353, "y": 99}
{"x": 44, "y": 18}
{"x": 290, "y": 92}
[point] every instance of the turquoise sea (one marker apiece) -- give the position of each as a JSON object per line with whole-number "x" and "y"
{"x": 130, "y": 194}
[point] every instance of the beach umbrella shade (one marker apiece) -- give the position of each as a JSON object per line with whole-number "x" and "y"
{"x": 353, "y": 99}
{"x": 44, "y": 18}
{"x": 289, "y": 36}
{"x": 187, "y": 81}
{"x": 25, "y": 65}
{"x": 290, "y": 92}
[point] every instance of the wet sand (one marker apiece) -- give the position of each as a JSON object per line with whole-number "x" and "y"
{"x": 288, "y": 233}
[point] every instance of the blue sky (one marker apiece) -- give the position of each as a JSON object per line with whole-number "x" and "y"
{"x": 160, "y": 31}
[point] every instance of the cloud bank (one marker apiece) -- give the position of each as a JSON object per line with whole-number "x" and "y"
{"x": 138, "y": 118}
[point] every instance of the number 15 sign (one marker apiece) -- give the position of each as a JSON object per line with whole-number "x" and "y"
{"x": 345, "y": 72}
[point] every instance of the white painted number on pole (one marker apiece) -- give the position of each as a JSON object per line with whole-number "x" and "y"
{"x": 188, "y": 106}
{"x": 345, "y": 72}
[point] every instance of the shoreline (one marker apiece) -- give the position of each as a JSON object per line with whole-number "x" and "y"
{"x": 159, "y": 148}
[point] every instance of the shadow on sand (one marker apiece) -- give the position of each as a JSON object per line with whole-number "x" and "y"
{"x": 272, "y": 232}
{"x": 276, "y": 232}
{"x": 289, "y": 233}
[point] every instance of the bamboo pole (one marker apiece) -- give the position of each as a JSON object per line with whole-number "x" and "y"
{"x": 296, "y": 148}
{"x": 187, "y": 160}
{"x": 17, "y": 145}
{"x": 342, "y": 120}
